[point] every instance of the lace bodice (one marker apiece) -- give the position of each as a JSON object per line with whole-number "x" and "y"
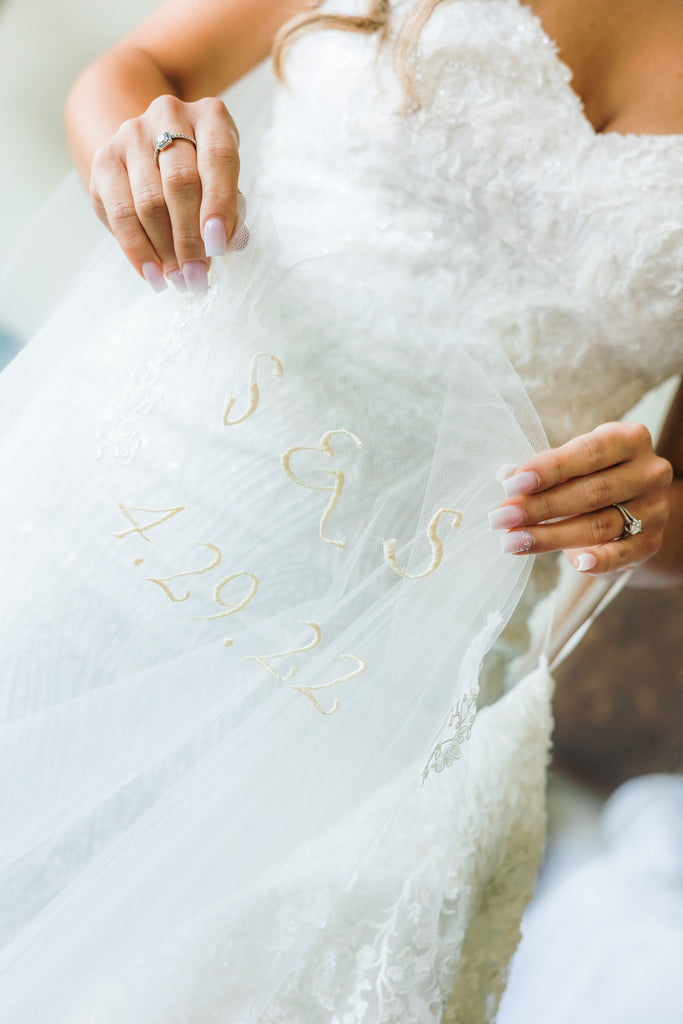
{"x": 568, "y": 243}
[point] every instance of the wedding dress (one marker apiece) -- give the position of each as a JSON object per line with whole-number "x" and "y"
{"x": 249, "y": 767}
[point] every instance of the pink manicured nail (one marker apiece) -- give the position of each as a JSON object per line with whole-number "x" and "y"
{"x": 154, "y": 276}
{"x": 196, "y": 277}
{"x": 514, "y": 543}
{"x": 520, "y": 483}
{"x": 177, "y": 280}
{"x": 585, "y": 562}
{"x": 214, "y": 237}
{"x": 506, "y": 518}
{"x": 505, "y": 472}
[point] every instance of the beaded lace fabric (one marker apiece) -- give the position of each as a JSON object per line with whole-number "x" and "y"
{"x": 248, "y": 580}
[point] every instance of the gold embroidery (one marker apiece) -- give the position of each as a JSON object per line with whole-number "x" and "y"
{"x": 434, "y": 540}
{"x": 336, "y": 474}
{"x": 263, "y": 659}
{"x": 127, "y": 509}
{"x": 308, "y": 691}
{"x": 138, "y": 561}
{"x": 231, "y": 608}
{"x": 254, "y": 395}
{"x": 163, "y": 580}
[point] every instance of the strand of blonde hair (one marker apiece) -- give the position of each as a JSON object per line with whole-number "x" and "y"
{"x": 377, "y": 19}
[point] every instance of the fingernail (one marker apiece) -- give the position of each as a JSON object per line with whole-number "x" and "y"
{"x": 154, "y": 276}
{"x": 196, "y": 277}
{"x": 585, "y": 562}
{"x": 513, "y": 543}
{"x": 505, "y": 471}
{"x": 214, "y": 237}
{"x": 177, "y": 280}
{"x": 506, "y": 518}
{"x": 520, "y": 483}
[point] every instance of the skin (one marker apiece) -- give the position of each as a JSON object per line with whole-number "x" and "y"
{"x": 626, "y": 57}
{"x": 627, "y": 63}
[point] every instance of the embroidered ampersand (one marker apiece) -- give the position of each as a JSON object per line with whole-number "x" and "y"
{"x": 337, "y": 475}
{"x": 434, "y": 540}
{"x": 254, "y": 394}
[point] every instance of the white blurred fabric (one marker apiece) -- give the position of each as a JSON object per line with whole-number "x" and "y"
{"x": 603, "y": 942}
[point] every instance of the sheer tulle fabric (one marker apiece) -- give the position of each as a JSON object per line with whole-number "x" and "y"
{"x": 248, "y": 583}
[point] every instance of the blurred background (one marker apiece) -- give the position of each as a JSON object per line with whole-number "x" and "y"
{"x": 43, "y": 45}
{"x": 619, "y": 704}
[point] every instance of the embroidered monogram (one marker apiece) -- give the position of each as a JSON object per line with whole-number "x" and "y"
{"x": 336, "y": 474}
{"x": 254, "y": 394}
{"x": 434, "y": 540}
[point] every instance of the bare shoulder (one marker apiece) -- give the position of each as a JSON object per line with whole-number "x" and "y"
{"x": 626, "y": 57}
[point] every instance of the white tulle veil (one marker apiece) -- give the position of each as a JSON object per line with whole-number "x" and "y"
{"x": 247, "y": 585}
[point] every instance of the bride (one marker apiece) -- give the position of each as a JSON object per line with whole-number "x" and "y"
{"x": 261, "y": 531}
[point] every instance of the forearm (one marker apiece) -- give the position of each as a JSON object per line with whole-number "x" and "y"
{"x": 118, "y": 85}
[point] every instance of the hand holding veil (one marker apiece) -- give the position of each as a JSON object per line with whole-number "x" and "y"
{"x": 249, "y": 583}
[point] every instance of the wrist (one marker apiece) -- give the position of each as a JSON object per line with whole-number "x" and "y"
{"x": 117, "y": 86}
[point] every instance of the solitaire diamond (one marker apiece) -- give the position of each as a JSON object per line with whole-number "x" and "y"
{"x": 634, "y": 527}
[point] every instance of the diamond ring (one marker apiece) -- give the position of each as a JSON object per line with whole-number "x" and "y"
{"x": 167, "y": 139}
{"x": 632, "y": 526}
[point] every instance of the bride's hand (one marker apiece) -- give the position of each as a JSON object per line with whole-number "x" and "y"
{"x": 169, "y": 219}
{"x": 563, "y": 500}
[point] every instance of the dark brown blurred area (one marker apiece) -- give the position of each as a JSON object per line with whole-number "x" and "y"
{"x": 619, "y": 699}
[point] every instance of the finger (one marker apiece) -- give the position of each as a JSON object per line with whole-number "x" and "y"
{"x": 579, "y": 531}
{"x": 588, "y": 493}
{"x": 182, "y": 192}
{"x": 616, "y": 556}
{"x": 592, "y": 528}
{"x": 151, "y": 208}
{"x": 607, "y": 445}
{"x": 219, "y": 165}
{"x": 113, "y": 201}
